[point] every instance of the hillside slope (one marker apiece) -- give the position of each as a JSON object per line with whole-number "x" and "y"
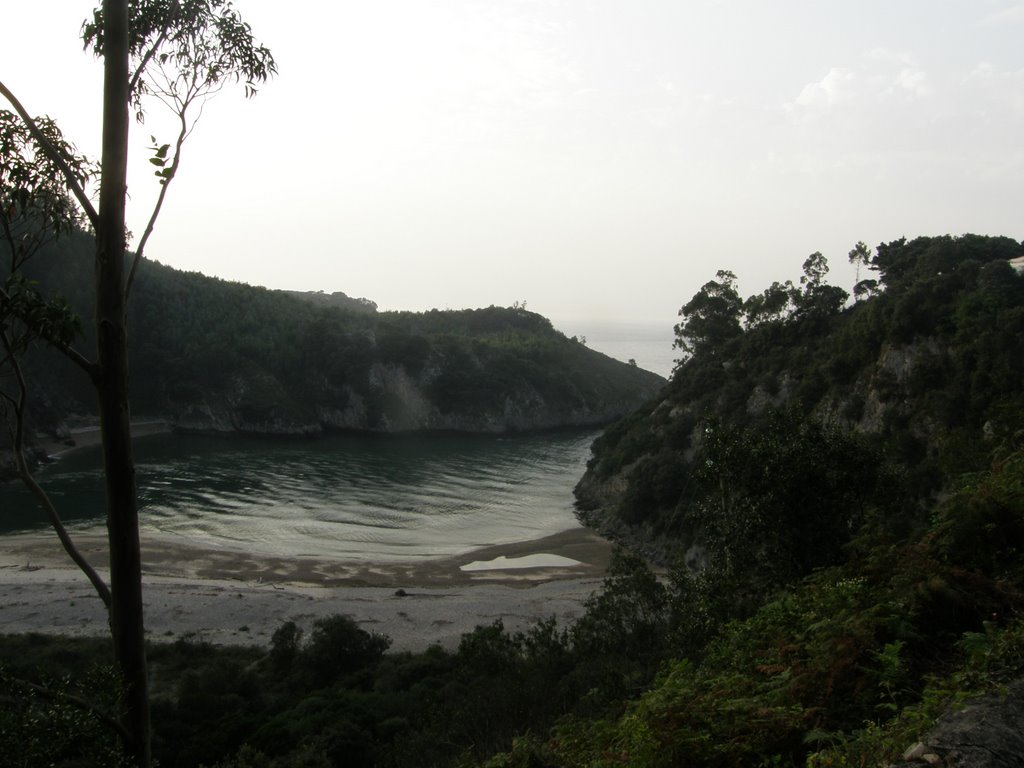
{"x": 928, "y": 373}
{"x": 213, "y": 356}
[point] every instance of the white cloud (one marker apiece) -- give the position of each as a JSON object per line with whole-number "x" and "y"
{"x": 834, "y": 88}
{"x": 996, "y": 93}
{"x": 908, "y": 79}
{"x": 913, "y": 81}
{"x": 1012, "y": 15}
{"x": 985, "y": 69}
{"x": 880, "y": 74}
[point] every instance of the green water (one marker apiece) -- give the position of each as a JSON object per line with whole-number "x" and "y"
{"x": 348, "y": 497}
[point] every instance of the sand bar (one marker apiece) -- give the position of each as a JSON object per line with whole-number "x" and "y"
{"x": 224, "y": 595}
{"x": 227, "y": 596}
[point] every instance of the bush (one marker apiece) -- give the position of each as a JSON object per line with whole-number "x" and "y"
{"x": 337, "y": 648}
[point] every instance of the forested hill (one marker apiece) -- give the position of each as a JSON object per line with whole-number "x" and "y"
{"x": 336, "y": 299}
{"x": 215, "y": 356}
{"x": 846, "y": 613}
{"x": 796, "y": 413}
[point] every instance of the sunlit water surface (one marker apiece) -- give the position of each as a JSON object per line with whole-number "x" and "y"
{"x": 347, "y": 497}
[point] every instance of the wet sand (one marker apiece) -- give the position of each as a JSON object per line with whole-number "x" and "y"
{"x": 224, "y": 596}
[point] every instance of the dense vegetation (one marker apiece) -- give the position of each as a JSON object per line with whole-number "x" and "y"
{"x": 218, "y": 356}
{"x": 849, "y": 566}
{"x": 336, "y": 696}
{"x": 847, "y": 666}
{"x": 926, "y": 368}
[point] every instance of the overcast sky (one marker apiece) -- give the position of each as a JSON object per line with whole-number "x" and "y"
{"x": 598, "y": 160}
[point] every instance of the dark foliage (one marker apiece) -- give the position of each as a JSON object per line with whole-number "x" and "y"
{"x": 275, "y": 361}
{"x": 929, "y": 366}
{"x": 889, "y": 637}
{"x": 832, "y": 607}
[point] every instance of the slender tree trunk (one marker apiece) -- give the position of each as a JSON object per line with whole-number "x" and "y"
{"x": 126, "y": 619}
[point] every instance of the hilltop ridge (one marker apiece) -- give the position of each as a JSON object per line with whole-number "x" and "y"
{"x": 213, "y": 356}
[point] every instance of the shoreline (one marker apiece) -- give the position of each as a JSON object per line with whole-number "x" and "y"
{"x": 228, "y": 597}
{"x": 87, "y": 437}
{"x": 586, "y": 554}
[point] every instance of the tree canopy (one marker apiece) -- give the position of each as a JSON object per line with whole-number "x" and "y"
{"x": 178, "y": 52}
{"x": 928, "y": 367}
{"x": 711, "y": 319}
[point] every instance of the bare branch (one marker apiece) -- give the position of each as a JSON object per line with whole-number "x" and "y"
{"x": 18, "y": 448}
{"x": 54, "y": 154}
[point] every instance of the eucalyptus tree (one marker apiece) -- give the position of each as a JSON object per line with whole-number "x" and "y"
{"x": 36, "y": 208}
{"x": 772, "y": 305}
{"x": 816, "y": 301}
{"x": 177, "y": 53}
{"x": 711, "y": 319}
{"x": 860, "y": 256}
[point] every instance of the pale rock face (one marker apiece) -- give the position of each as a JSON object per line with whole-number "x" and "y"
{"x": 760, "y": 400}
{"x": 384, "y": 396}
{"x": 351, "y": 416}
{"x": 985, "y": 733}
{"x": 416, "y": 411}
{"x": 397, "y": 402}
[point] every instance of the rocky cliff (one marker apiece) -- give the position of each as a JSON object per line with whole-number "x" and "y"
{"x": 391, "y": 398}
{"x": 213, "y": 356}
{"x": 985, "y": 732}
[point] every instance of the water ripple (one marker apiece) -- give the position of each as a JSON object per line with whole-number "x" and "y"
{"x": 351, "y": 497}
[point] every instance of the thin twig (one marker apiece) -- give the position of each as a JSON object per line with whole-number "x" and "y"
{"x": 144, "y": 62}
{"x": 182, "y": 135}
{"x": 180, "y": 107}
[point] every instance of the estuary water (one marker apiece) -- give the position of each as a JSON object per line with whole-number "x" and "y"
{"x": 347, "y": 497}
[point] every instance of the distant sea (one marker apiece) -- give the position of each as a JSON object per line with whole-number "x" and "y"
{"x": 650, "y": 344}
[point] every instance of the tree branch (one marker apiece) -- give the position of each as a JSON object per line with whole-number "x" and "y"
{"x": 76, "y": 357}
{"x": 9, "y": 237}
{"x": 41, "y": 497}
{"x": 71, "y": 699}
{"x": 72, "y": 354}
{"x": 182, "y": 135}
{"x": 144, "y": 62}
{"x": 54, "y": 154}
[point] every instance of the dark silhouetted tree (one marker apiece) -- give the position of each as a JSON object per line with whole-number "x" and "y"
{"x": 817, "y": 300}
{"x": 771, "y": 305}
{"x": 711, "y": 318}
{"x": 180, "y": 51}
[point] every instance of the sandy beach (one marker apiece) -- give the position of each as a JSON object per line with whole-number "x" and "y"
{"x": 224, "y": 596}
